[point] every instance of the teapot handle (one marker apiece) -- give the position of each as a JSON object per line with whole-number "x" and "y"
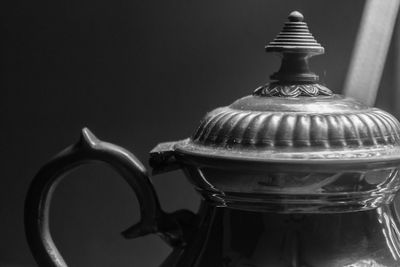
{"x": 174, "y": 228}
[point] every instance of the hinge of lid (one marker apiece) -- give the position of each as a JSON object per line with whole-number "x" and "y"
{"x": 162, "y": 158}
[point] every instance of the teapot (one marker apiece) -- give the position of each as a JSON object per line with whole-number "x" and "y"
{"x": 292, "y": 175}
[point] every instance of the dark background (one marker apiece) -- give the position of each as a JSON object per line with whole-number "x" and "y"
{"x": 136, "y": 73}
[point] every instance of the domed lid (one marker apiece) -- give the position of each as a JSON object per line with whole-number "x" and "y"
{"x": 295, "y": 118}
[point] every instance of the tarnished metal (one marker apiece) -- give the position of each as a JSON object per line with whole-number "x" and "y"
{"x": 291, "y": 175}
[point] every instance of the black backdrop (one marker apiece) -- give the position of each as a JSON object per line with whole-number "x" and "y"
{"x": 136, "y": 73}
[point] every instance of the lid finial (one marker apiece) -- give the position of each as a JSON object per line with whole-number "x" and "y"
{"x": 295, "y": 16}
{"x": 297, "y": 44}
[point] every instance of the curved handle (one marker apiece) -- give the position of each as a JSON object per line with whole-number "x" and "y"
{"x": 173, "y": 228}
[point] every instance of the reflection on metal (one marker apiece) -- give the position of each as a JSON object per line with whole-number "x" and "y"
{"x": 396, "y": 71}
{"x": 370, "y": 50}
{"x": 389, "y": 221}
{"x": 365, "y": 263}
{"x": 288, "y": 179}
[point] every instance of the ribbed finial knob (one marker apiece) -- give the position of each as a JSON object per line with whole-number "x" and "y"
{"x": 297, "y": 44}
{"x": 295, "y": 16}
{"x": 295, "y": 37}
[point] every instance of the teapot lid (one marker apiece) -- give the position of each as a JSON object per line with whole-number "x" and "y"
{"x": 294, "y": 118}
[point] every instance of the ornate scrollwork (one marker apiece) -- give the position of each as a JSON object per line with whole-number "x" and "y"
{"x": 292, "y": 90}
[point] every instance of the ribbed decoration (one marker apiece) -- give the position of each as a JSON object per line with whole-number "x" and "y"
{"x": 294, "y": 117}
{"x": 230, "y": 128}
{"x": 295, "y": 35}
{"x": 297, "y": 45}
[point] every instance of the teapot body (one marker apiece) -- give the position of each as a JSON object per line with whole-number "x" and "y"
{"x": 291, "y": 176}
{"x": 239, "y": 238}
{"x": 252, "y": 213}
{"x": 342, "y": 216}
